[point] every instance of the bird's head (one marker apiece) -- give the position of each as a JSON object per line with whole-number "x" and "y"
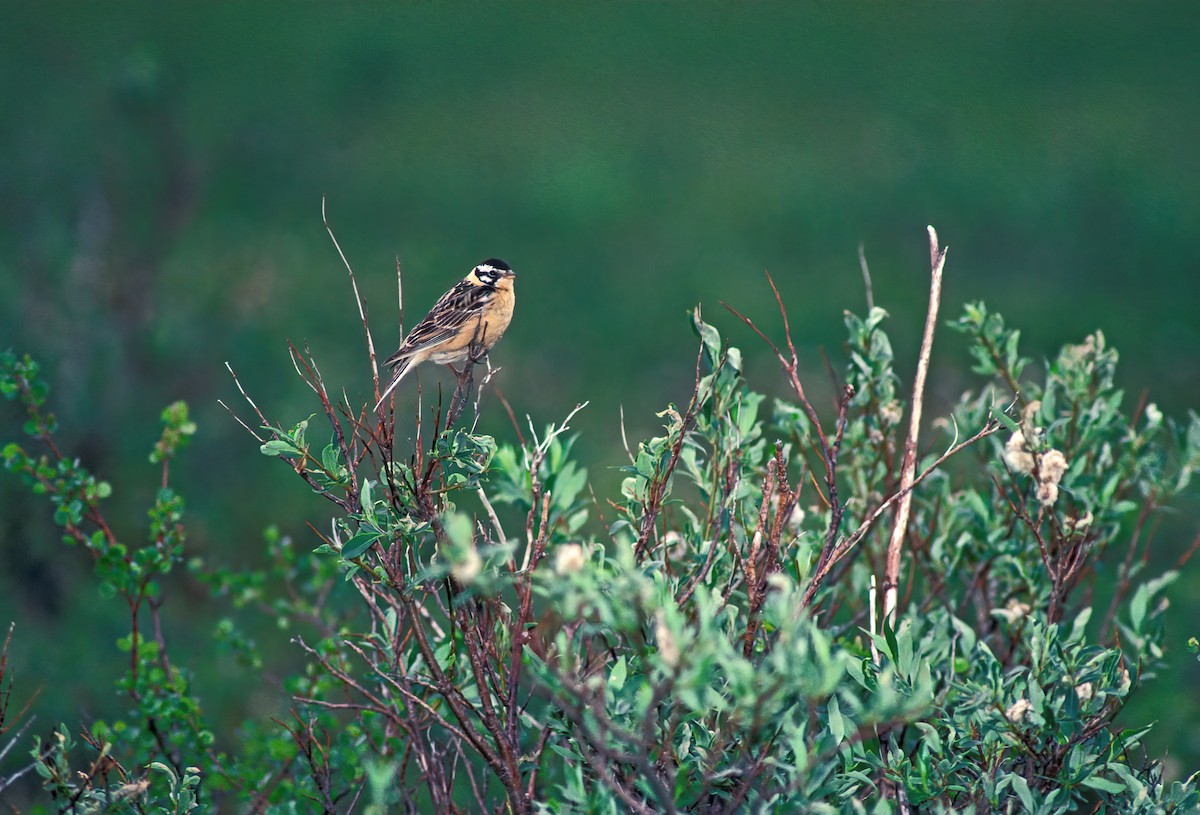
{"x": 492, "y": 272}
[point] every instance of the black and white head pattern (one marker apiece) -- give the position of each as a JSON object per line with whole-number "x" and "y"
{"x": 491, "y": 271}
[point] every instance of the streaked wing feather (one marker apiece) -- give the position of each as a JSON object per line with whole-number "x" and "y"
{"x": 445, "y": 319}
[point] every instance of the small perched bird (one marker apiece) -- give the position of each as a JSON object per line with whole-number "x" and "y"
{"x": 465, "y": 321}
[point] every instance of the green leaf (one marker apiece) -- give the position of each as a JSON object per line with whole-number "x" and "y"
{"x": 460, "y": 529}
{"x": 1004, "y": 419}
{"x": 837, "y": 727}
{"x": 165, "y": 769}
{"x": 1022, "y": 787}
{"x": 1099, "y": 782}
{"x": 572, "y": 756}
{"x": 358, "y": 544}
{"x": 330, "y": 458}
{"x": 616, "y": 679}
{"x": 710, "y": 338}
{"x": 929, "y": 737}
{"x": 1145, "y": 592}
{"x": 279, "y": 447}
{"x": 966, "y": 635}
{"x": 904, "y": 649}
{"x": 892, "y": 646}
{"x": 1079, "y": 625}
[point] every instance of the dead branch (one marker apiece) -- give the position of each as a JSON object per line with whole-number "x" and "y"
{"x": 891, "y": 579}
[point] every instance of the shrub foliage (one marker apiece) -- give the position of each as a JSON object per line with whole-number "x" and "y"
{"x": 482, "y": 633}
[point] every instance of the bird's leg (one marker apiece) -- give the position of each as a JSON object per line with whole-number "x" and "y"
{"x": 461, "y": 391}
{"x": 476, "y": 351}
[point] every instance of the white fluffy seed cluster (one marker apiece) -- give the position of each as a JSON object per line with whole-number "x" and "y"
{"x": 568, "y": 558}
{"x": 1049, "y": 466}
{"x": 668, "y": 649}
{"x": 1018, "y": 711}
{"x": 468, "y": 568}
{"x": 1014, "y": 612}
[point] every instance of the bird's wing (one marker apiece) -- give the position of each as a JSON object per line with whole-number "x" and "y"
{"x": 445, "y": 320}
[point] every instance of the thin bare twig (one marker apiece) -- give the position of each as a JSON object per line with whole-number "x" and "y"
{"x": 533, "y": 463}
{"x": 624, "y": 438}
{"x": 362, "y": 309}
{"x": 400, "y": 294}
{"x": 656, "y": 489}
{"x": 866, "y": 273}
{"x": 828, "y": 452}
{"x": 250, "y": 401}
{"x": 487, "y": 506}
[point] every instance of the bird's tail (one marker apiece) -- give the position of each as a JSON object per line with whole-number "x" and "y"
{"x": 401, "y": 369}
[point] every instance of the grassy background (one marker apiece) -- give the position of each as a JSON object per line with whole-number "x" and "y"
{"x": 162, "y": 169}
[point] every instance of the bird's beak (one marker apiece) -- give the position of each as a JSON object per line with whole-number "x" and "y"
{"x": 510, "y": 273}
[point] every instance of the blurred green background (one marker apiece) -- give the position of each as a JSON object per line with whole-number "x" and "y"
{"x": 162, "y": 169}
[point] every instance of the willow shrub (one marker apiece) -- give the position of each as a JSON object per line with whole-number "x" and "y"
{"x": 481, "y": 633}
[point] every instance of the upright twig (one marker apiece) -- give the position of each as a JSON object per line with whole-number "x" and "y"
{"x": 7, "y": 723}
{"x": 362, "y": 309}
{"x": 657, "y": 486}
{"x": 828, "y": 451}
{"x": 891, "y": 579}
{"x": 848, "y": 543}
{"x": 866, "y": 273}
{"x": 400, "y": 295}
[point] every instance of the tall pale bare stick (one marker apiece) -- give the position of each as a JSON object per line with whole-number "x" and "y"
{"x": 891, "y": 580}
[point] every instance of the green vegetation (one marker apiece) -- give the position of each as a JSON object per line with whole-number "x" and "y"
{"x": 481, "y": 632}
{"x": 161, "y": 180}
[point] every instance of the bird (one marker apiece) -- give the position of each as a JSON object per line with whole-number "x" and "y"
{"x": 465, "y": 322}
